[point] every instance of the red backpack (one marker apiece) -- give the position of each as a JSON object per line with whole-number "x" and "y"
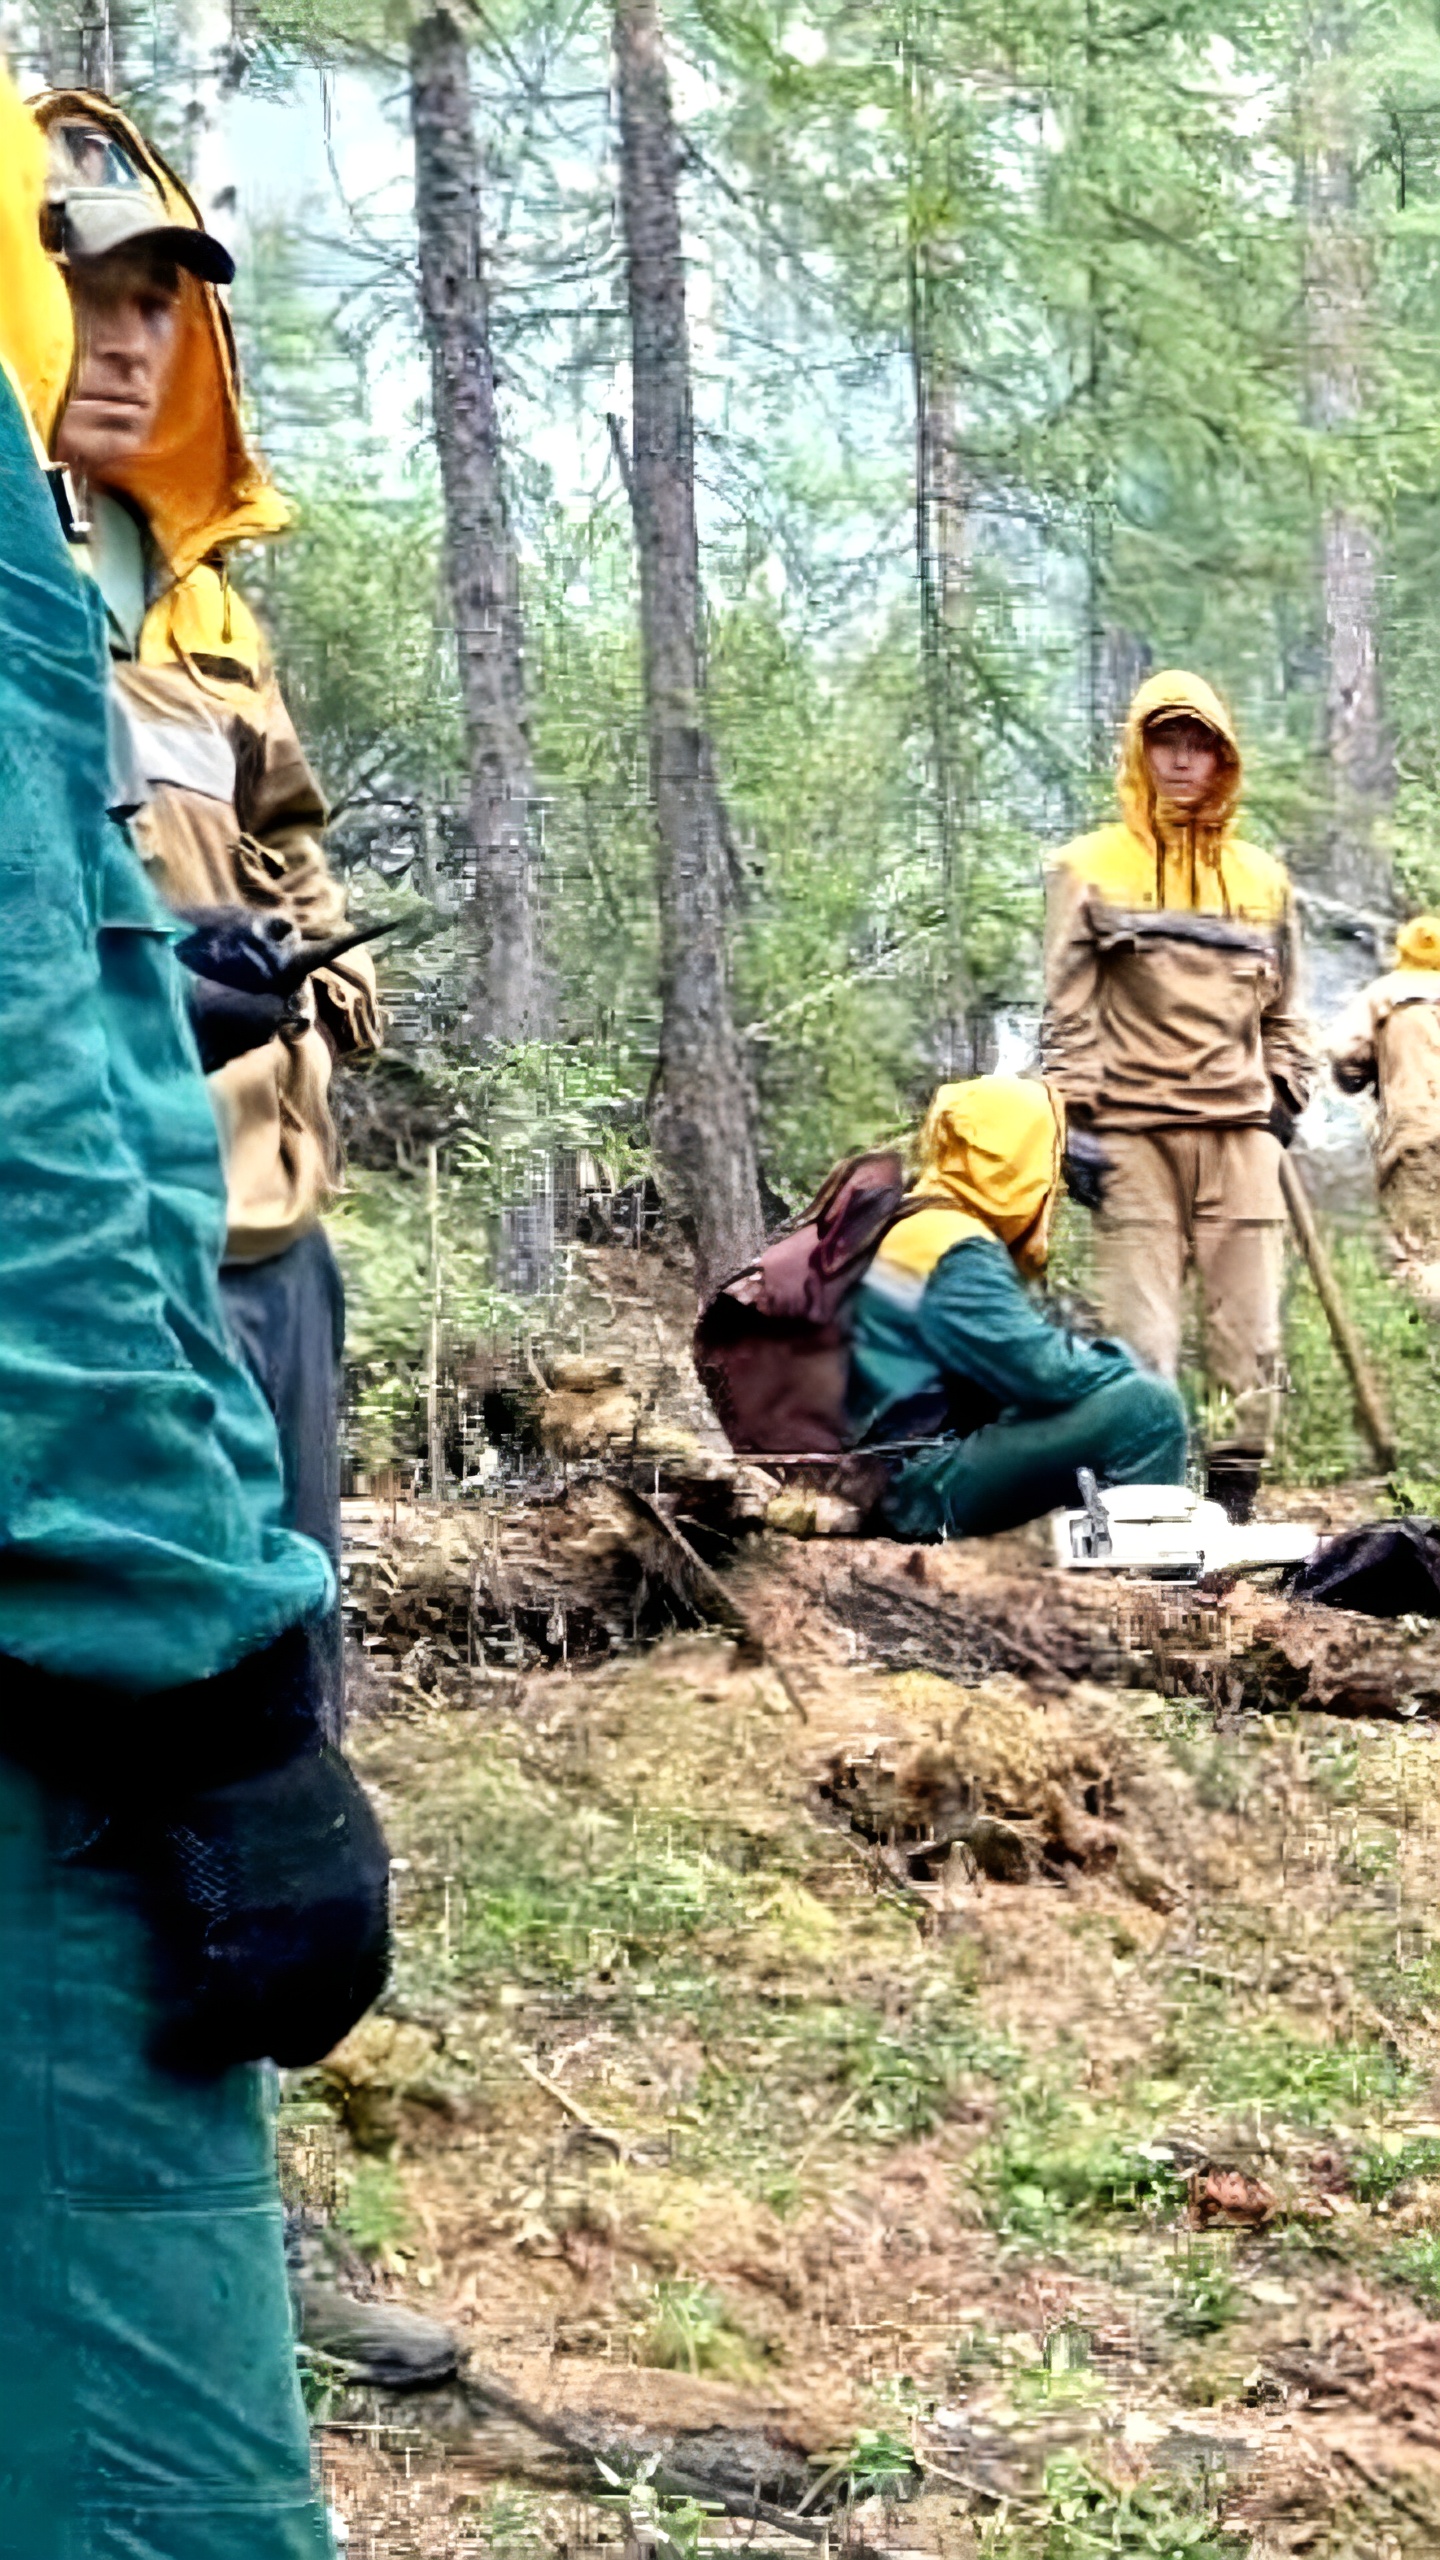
{"x": 772, "y": 1347}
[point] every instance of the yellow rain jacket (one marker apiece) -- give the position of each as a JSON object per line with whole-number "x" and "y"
{"x": 990, "y": 1155}
{"x": 1171, "y": 960}
{"x": 235, "y": 815}
{"x": 1388, "y": 1039}
{"x": 37, "y": 337}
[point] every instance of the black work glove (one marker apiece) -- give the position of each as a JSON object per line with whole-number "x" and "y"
{"x": 1085, "y": 1165}
{"x": 260, "y": 1859}
{"x": 238, "y": 961}
{"x": 228, "y": 1022}
{"x": 270, "y": 1898}
{"x": 241, "y": 947}
{"x": 1282, "y": 1121}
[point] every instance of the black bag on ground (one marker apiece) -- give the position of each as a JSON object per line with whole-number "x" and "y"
{"x": 1388, "y": 1569}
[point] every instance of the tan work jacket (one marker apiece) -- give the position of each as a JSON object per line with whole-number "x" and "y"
{"x": 234, "y": 819}
{"x": 1171, "y": 955}
{"x": 235, "y": 814}
{"x": 1388, "y": 1039}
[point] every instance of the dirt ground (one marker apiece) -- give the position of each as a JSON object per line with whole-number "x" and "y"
{"x": 844, "y": 2103}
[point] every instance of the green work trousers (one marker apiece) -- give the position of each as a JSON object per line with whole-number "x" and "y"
{"x": 149, "y": 2404}
{"x": 1129, "y": 1432}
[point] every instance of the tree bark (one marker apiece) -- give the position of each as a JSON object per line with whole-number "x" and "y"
{"x": 508, "y": 997}
{"x": 702, "y": 1117}
{"x": 91, "y": 44}
{"x": 1338, "y": 292}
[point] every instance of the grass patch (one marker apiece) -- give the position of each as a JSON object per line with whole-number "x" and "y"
{"x": 1042, "y": 2181}
{"x": 1204, "y": 2295}
{"x": 1271, "y": 2068}
{"x": 374, "y": 2213}
{"x": 1377, "y": 2173}
{"x": 690, "y": 2331}
{"x": 1088, "y": 2517}
{"x": 1415, "y": 2264}
{"x": 874, "y": 2464}
{"x": 1319, "y": 1440}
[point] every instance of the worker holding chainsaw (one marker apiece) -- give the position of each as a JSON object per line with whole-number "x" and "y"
{"x": 226, "y": 811}
{"x": 1173, "y": 1028}
{"x": 991, "y": 1411}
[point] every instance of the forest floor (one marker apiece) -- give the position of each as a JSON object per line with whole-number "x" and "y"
{"x": 994, "y": 2112}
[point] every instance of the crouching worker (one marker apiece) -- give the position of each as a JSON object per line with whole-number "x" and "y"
{"x": 1387, "y": 1042}
{"x": 948, "y": 1347}
{"x": 190, "y": 1880}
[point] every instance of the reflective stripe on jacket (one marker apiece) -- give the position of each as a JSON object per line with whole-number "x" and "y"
{"x": 236, "y": 815}
{"x": 1171, "y": 957}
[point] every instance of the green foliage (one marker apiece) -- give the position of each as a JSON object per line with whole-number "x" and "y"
{"x": 374, "y": 2213}
{"x": 874, "y": 2463}
{"x": 1376, "y": 2173}
{"x": 1161, "y": 2520}
{"x": 1046, "y": 2177}
{"x": 656, "y": 2520}
{"x": 1204, "y": 2297}
{"x": 1243, "y": 2067}
{"x": 689, "y": 2330}
{"x": 1415, "y": 2264}
{"x": 506, "y": 1114}
{"x": 322, "y": 2381}
{"x": 1320, "y": 1440}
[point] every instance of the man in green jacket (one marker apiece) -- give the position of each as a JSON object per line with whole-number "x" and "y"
{"x": 949, "y": 1349}
{"x": 189, "y": 1880}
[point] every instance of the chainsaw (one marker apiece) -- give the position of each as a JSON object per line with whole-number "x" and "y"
{"x": 1165, "y": 1533}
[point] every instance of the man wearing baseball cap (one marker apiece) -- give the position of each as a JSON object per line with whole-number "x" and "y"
{"x": 230, "y": 818}
{"x": 190, "y": 1879}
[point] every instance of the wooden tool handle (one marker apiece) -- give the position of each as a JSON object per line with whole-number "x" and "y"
{"x": 1369, "y": 1402}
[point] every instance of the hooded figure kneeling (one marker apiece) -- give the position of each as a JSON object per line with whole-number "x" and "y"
{"x": 948, "y": 1347}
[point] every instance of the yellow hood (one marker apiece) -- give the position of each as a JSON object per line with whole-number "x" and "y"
{"x": 992, "y": 1148}
{"x": 1176, "y": 691}
{"x": 1417, "y": 944}
{"x": 37, "y": 339}
{"x": 200, "y": 485}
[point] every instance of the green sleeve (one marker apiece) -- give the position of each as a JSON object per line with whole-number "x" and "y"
{"x": 978, "y": 1323}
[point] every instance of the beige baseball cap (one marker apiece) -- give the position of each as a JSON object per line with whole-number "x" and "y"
{"x": 99, "y": 200}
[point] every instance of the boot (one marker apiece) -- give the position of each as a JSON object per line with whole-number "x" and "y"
{"x": 375, "y": 2341}
{"x": 1232, "y": 1478}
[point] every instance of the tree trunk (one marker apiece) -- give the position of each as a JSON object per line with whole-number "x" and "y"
{"x": 702, "y": 1117}
{"x": 508, "y": 996}
{"x": 91, "y": 44}
{"x": 1338, "y": 291}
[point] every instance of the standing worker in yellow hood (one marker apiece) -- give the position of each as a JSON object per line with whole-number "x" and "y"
{"x": 1387, "y": 1041}
{"x": 232, "y": 815}
{"x": 1172, "y": 1027}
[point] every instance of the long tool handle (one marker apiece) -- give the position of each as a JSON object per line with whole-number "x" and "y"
{"x": 1369, "y": 1402}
